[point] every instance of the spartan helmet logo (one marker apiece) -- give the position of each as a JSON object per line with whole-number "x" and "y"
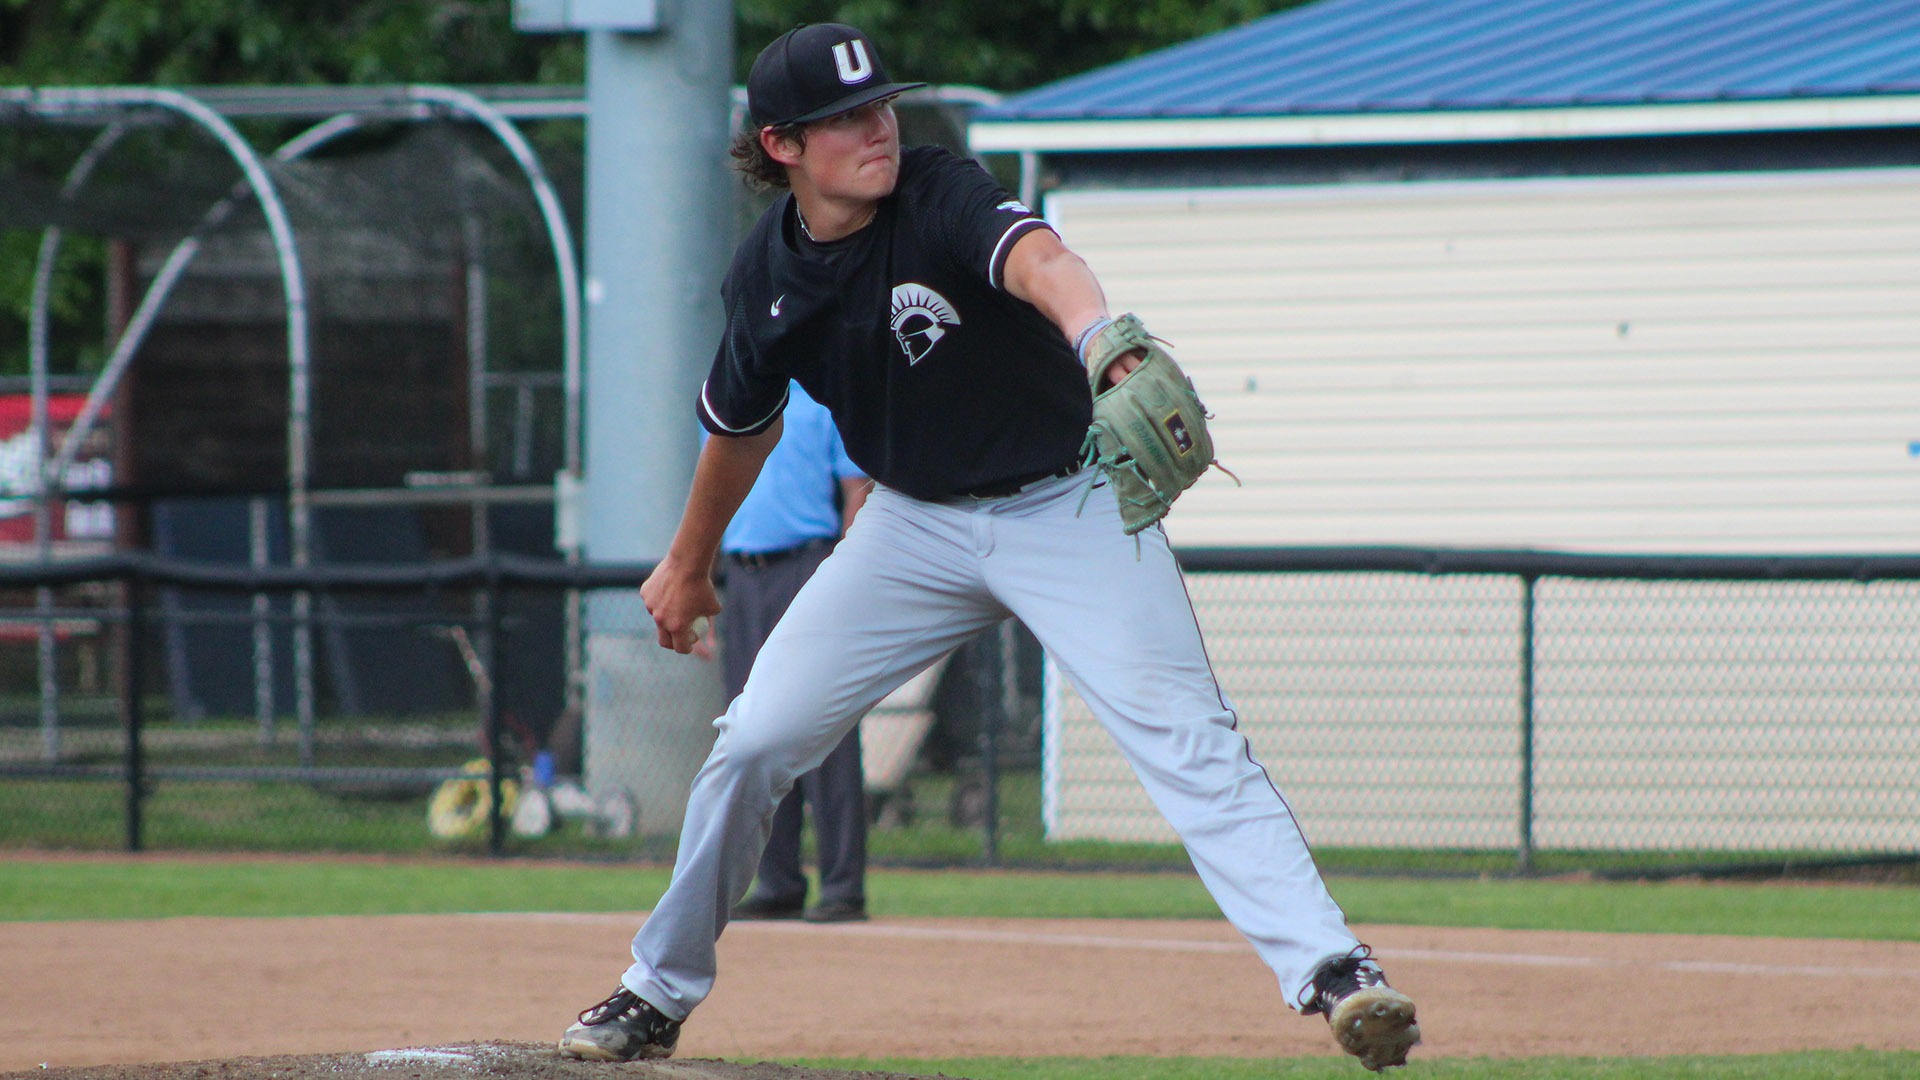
{"x": 920, "y": 319}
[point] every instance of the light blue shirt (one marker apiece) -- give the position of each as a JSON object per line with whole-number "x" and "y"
{"x": 795, "y": 499}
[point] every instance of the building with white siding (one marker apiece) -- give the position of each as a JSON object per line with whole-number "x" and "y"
{"x": 1586, "y": 275}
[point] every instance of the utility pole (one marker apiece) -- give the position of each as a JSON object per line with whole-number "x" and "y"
{"x": 658, "y": 229}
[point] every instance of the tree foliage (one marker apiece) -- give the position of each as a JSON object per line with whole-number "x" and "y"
{"x": 183, "y": 42}
{"x": 1004, "y": 45}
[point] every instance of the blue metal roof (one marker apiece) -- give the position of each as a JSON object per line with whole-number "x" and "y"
{"x": 1357, "y": 56}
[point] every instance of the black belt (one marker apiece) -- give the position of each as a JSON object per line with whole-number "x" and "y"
{"x": 1003, "y": 488}
{"x": 760, "y": 560}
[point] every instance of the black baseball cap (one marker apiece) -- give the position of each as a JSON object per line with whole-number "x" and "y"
{"x": 815, "y": 71}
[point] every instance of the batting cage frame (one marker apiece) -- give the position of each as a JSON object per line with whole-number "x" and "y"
{"x": 294, "y": 213}
{"x": 324, "y": 239}
{"x": 260, "y": 203}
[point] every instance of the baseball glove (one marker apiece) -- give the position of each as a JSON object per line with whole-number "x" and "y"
{"x": 1149, "y": 435}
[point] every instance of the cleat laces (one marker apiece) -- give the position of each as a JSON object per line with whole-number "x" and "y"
{"x": 1338, "y": 979}
{"x": 624, "y": 1004}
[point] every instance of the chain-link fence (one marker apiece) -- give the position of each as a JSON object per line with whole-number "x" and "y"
{"x": 1419, "y": 709}
{"x": 1710, "y": 719}
{"x": 170, "y": 712}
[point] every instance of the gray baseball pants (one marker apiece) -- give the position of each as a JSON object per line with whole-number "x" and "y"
{"x": 913, "y": 579}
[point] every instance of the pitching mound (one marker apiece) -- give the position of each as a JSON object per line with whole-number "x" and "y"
{"x": 464, "y": 1061}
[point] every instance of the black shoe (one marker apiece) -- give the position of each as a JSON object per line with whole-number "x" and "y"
{"x": 761, "y": 907}
{"x": 1371, "y": 1020}
{"x": 837, "y": 911}
{"x": 621, "y": 1028}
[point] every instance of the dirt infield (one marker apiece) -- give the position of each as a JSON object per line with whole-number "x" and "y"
{"x": 429, "y": 996}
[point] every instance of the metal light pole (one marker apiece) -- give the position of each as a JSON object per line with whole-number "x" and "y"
{"x": 658, "y": 226}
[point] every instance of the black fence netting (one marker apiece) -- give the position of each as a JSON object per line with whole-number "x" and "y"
{"x": 1439, "y": 711}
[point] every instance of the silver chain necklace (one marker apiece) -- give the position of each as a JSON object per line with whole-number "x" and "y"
{"x": 808, "y": 233}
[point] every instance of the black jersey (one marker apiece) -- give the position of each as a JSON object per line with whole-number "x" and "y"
{"x": 939, "y": 380}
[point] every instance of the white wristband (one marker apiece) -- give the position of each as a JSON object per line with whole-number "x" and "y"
{"x": 1092, "y": 330}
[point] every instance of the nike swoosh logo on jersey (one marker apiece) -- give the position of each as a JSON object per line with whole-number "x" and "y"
{"x": 775, "y": 309}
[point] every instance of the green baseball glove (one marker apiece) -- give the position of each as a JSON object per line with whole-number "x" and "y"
{"x": 1149, "y": 435}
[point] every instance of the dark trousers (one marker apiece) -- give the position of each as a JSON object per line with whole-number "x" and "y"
{"x": 755, "y": 596}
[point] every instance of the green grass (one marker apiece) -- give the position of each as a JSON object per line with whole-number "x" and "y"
{"x": 217, "y": 817}
{"x": 159, "y": 887}
{"x": 1821, "y": 1065}
{"x": 1830, "y": 911}
{"x": 288, "y": 818}
{"x": 152, "y": 888}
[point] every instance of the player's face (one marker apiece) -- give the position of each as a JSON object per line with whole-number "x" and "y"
{"x": 855, "y": 155}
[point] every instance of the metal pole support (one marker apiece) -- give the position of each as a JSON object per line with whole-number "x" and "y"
{"x": 1524, "y": 857}
{"x": 132, "y": 716}
{"x": 988, "y": 657}
{"x": 489, "y": 690}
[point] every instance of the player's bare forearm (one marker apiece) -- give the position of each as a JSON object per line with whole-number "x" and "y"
{"x": 1045, "y": 273}
{"x": 721, "y": 480}
{"x": 680, "y": 589}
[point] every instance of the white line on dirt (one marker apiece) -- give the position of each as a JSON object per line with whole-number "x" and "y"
{"x": 1096, "y": 941}
{"x": 417, "y": 1057}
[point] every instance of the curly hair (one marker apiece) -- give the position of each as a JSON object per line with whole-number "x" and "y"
{"x": 753, "y": 162}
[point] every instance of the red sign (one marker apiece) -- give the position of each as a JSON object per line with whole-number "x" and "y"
{"x": 21, "y": 469}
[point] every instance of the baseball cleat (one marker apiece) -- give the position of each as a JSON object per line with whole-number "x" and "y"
{"x": 621, "y": 1028}
{"x": 1370, "y": 1020}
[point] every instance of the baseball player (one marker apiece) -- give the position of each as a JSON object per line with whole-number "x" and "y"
{"x": 945, "y": 327}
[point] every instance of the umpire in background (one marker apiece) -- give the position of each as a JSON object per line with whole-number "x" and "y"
{"x": 801, "y": 504}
